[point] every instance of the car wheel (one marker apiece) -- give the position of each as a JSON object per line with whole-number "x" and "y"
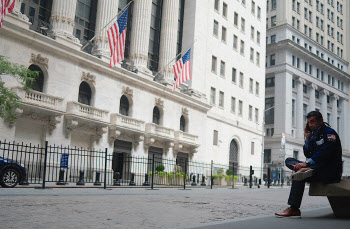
{"x": 9, "y": 178}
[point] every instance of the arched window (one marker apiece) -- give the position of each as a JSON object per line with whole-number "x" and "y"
{"x": 182, "y": 123}
{"x": 84, "y": 93}
{"x": 124, "y": 106}
{"x": 156, "y": 115}
{"x": 233, "y": 160}
{"x": 38, "y": 84}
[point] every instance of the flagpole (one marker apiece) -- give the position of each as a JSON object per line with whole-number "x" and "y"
{"x": 190, "y": 45}
{"x": 117, "y": 16}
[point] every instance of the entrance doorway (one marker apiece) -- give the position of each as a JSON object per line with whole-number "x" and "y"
{"x": 233, "y": 159}
{"x": 121, "y": 161}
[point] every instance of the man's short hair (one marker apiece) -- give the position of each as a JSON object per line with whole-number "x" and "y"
{"x": 315, "y": 114}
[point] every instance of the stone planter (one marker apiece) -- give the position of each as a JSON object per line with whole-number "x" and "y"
{"x": 160, "y": 180}
{"x": 176, "y": 180}
{"x": 220, "y": 181}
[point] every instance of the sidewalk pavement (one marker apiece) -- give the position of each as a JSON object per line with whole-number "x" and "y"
{"x": 322, "y": 218}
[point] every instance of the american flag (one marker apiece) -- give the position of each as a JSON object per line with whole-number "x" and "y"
{"x": 182, "y": 69}
{"x": 116, "y": 37}
{"x": 6, "y": 7}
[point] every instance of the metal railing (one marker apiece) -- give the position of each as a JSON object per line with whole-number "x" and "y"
{"x": 63, "y": 165}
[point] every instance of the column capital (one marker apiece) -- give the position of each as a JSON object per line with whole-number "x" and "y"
{"x": 335, "y": 97}
{"x": 324, "y": 91}
{"x": 313, "y": 86}
{"x": 301, "y": 80}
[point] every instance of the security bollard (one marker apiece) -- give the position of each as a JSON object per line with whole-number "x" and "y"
{"x": 132, "y": 182}
{"x": 116, "y": 181}
{"x": 81, "y": 178}
{"x": 203, "y": 181}
{"x": 198, "y": 178}
{"x": 146, "y": 183}
{"x": 194, "y": 180}
{"x": 61, "y": 178}
{"x": 268, "y": 177}
{"x": 97, "y": 181}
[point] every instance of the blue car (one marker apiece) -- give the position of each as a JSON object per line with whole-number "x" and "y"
{"x": 12, "y": 173}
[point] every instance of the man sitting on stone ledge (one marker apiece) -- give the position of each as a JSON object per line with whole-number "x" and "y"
{"x": 324, "y": 164}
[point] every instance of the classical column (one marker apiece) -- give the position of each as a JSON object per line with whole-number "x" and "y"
{"x": 106, "y": 11}
{"x": 283, "y": 103}
{"x": 140, "y": 34}
{"x": 168, "y": 40}
{"x": 299, "y": 107}
{"x": 62, "y": 21}
{"x": 345, "y": 124}
{"x": 324, "y": 94}
{"x": 333, "y": 121}
{"x": 312, "y": 100}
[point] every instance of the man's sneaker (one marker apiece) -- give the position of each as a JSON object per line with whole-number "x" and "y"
{"x": 298, "y": 176}
{"x": 289, "y": 213}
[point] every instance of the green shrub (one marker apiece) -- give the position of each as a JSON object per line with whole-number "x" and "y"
{"x": 235, "y": 177}
{"x": 229, "y": 172}
{"x": 160, "y": 168}
{"x": 177, "y": 168}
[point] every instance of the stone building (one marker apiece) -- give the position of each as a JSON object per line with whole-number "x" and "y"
{"x": 129, "y": 109}
{"x": 306, "y": 69}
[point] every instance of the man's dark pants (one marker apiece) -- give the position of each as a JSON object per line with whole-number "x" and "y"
{"x": 297, "y": 189}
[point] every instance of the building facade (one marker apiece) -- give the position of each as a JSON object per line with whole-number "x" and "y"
{"x": 306, "y": 70}
{"x": 129, "y": 109}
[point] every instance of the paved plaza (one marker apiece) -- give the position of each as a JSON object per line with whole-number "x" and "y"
{"x": 144, "y": 208}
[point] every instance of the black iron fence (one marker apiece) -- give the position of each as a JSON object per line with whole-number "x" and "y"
{"x": 63, "y": 165}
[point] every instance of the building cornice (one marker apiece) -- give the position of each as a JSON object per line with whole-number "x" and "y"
{"x": 90, "y": 62}
{"x": 309, "y": 40}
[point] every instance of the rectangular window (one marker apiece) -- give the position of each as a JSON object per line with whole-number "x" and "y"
{"x": 259, "y": 13}
{"x": 317, "y": 94}
{"x": 215, "y": 138}
{"x": 273, "y": 39}
{"x": 234, "y": 72}
{"x": 251, "y": 81}
{"x": 296, "y": 154}
{"x": 221, "y": 99}
{"x": 256, "y": 115}
{"x": 305, "y": 88}
{"x": 252, "y": 32}
{"x": 223, "y": 34}
{"x": 267, "y": 156}
{"x": 273, "y": 4}
{"x": 258, "y": 37}
{"x": 272, "y": 60}
{"x": 298, "y": 62}
{"x": 252, "y": 148}
{"x": 216, "y": 5}
{"x": 250, "y": 112}
{"x": 251, "y": 54}
{"x": 233, "y": 104}
{"x": 269, "y": 110}
{"x": 242, "y": 47}
{"x": 240, "y": 108}
{"x": 257, "y": 58}
{"x": 257, "y": 88}
{"x": 212, "y": 96}
{"x": 235, "y": 42}
{"x": 270, "y": 82}
{"x": 293, "y": 60}
{"x": 242, "y": 24}
{"x": 241, "y": 79}
{"x": 273, "y": 21}
{"x": 215, "y": 28}
{"x": 222, "y": 68}
{"x": 293, "y": 112}
{"x": 304, "y": 112}
{"x": 236, "y": 19}
{"x": 253, "y": 8}
{"x": 213, "y": 64}
{"x": 224, "y": 10}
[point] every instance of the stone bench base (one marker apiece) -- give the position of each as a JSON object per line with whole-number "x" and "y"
{"x": 338, "y": 196}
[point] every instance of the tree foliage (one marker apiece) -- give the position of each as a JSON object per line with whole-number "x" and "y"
{"x": 9, "y": 100}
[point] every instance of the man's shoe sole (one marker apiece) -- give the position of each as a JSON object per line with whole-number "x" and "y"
{"x": 291, "y": 217}
{"x": 303, "y": 175}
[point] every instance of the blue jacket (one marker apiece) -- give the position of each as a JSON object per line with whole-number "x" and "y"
{"x": 324, "y": 148}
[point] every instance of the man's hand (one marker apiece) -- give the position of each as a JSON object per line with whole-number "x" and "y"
{"x": 298, "y": 166}
{"x": 307, "y": 133}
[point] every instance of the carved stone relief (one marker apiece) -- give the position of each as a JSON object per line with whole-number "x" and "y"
{"x": 159, "y": 103}
{"x": 87, "y": 76}
{"x": 38, "y": 59}
{"x": 127, "y": 91}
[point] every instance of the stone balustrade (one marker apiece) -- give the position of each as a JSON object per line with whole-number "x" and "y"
{"x": 85, "y": 111}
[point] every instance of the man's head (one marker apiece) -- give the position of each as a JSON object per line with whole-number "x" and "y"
{"x": 314, "y": 119}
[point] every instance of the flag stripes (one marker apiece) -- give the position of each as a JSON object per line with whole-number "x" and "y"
{"x": 6, "y": 7}
{"x": 182, "y": 70}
